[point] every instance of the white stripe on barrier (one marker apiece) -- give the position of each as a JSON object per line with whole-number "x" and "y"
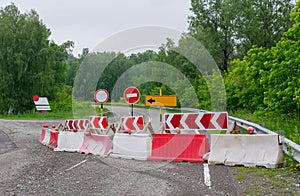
{"x": 47, "y": 137}
{"x": 214, "y": 121}
{"x": 182, "y": 122}
{"x": 168, "y": 121}
{"x": 201, "y": 127}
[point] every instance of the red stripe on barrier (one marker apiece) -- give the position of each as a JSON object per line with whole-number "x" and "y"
{"x": 53, "y": 139}
{"x": 140, "y": 123}
{"x": 191, "y": 120}
{"x": 179, "y": 147}
{"x": 104, "y": 123}
{"x": 206, "y": 121}
{"x": 42, "y": 135}
{"x": 70, "y": 125}
{"x": 175, "y": 121}
{"x": 223, "y": 120}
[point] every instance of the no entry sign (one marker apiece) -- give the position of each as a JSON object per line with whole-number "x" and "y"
{"x": 131, "y": 95}
{"x": 101, "y": 96}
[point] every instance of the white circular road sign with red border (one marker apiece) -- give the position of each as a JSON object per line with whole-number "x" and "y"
{"x": 131, "y": 95}
{"x": 101, "y": 96}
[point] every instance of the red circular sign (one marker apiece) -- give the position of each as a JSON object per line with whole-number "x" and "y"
{"x": 131, "y": 95}
{"x": 101, "y": 96}
{"x": 35, "y": 98}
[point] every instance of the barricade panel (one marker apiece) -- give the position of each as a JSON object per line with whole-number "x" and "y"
{"x": 200, "y": 121}
{"x": 179, "y": 147}
{"x": 76, "y": 125}
{"x": 98, "y": 122}
{"x": 132, "y": 123}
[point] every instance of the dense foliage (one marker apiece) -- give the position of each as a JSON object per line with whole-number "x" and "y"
{"x": 229, "y": 28}
{"x": 259, "y": 62}
{"x": 268, "y": 78}
{"x": 30, "y": 64}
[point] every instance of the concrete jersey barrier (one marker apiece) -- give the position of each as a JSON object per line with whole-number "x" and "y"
{"x": 96, "y": 145}
{"x": 132, "y": 146}
{"x": 69, "y": 141}
{"x": 247, "y": 150}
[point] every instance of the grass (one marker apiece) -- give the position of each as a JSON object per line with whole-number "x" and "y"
{"x": 290, "y": 124}
{"x": 35, "y": 115}
{"x": 38, "y": 116}
{"x": 263, "y": 181}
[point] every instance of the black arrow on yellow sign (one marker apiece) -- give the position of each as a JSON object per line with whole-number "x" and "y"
{"x": 152, "y": 100}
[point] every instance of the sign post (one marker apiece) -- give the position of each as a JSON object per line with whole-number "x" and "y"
{"x": 154, "y": 100}
{"x": 131, "y": 96}
{"x": 101, "y": 96}
{"x": 160, "y": 108}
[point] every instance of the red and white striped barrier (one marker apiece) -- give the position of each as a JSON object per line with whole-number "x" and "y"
{"x": 96, "y": 144}
{"x": 45, "y": 126}
{"x": 69, "y": 141}
{"x": 201, "y": 121}
{"x": 76, "y": 124}
{"x": 98, "y": 122}
{"x": 47, "y": 137}
{"x": 53, "y": 139}
{"x": 132, "y": 123}
{"x": 133, "y": 145}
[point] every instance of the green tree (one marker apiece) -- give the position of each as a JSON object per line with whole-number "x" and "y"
{"x": 229, "y": 28}
{"x": 268, "y": 78}
{"x": 29, "y": 63}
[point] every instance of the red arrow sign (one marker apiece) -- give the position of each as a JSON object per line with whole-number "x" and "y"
{"x": 133, "y": 123}
{"x": 132, "y": 95}
{"x": 98, "y": 122}
{"x": 202, "y": 121}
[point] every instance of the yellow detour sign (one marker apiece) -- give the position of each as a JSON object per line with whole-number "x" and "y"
{"x": 161, "y": 100}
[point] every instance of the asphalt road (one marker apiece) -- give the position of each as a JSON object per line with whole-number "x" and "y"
{"x": 33, "y": 169}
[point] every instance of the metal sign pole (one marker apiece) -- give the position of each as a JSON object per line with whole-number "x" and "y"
{"x": 160, "y": 108}
{"x": 101, "y": 110}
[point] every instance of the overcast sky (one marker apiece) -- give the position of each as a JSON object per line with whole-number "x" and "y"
{"x": 88, "y": 22}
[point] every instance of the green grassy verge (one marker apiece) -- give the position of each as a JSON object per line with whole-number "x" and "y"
{"x": 34, "y": 115}
{"x": 263, "y": 181}
{"x": 290, "y": 124}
